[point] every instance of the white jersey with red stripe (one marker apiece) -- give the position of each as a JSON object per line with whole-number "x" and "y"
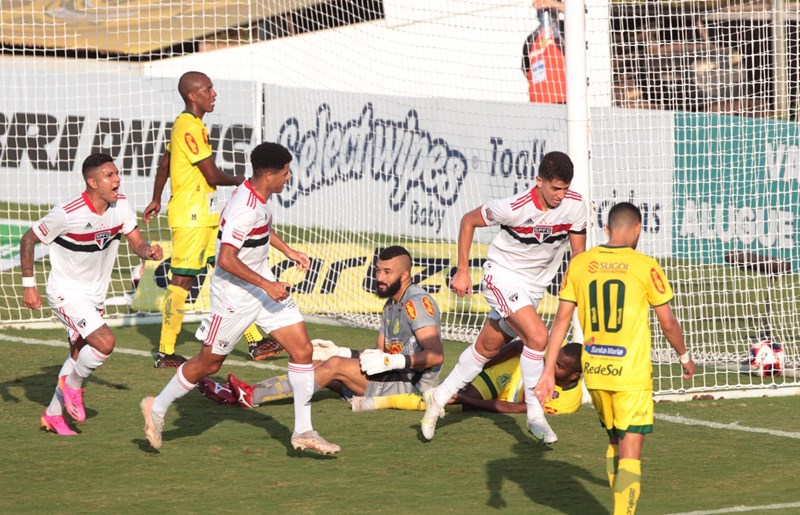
{"x": 532, "y": 241}
{"x": 83, "y": 247}
{"x": 245, "y": 224}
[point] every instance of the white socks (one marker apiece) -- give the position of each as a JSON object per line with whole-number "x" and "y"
{"x": 177, "y": 387}
{"x": 470, "y": 364}
{"x": 56, "y": 406}
{"x": 301, "y": 377}
{"x": 88, "y": 360}
{"x": 531, "y": 364}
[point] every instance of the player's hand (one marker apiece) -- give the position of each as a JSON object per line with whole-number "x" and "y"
{"x": 154, "y": 253}
{"x": 151, "y": 211}
{"x": 302, "y": 261}
{"x": 375, "y": 361}
{"x": 326, "y": 349}
{"x": 31, "y": 298}
{"x": 544, "y": 388}
{"x": 461, "y": 283}
{"x": 689, "y": 369}
{"x": 278, "y": 290}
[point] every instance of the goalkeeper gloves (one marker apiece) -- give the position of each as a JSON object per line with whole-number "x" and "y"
{"x": 375, "y": 361}
{"x": 325, "y": 349}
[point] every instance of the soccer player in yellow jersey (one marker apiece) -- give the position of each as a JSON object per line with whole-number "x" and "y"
{"x": 613, "y": 287}
{"x": 499, "y": 388}
{"x": 192, "y": 213}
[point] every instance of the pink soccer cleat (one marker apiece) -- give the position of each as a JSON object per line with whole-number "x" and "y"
{"x": 57, "y": 424}
{"x": 73, "y": 400}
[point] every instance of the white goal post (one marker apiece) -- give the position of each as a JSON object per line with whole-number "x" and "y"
{"x": 404, "y": 114}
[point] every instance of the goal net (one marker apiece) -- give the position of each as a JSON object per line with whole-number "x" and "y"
{"x": 403, "y": 115}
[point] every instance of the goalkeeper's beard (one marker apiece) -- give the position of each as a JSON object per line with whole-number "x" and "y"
{"x": 389, "y": 291}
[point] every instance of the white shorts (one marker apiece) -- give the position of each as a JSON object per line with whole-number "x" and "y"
{"x": 222, "y": 330}
{"x": 506, "y": 292}
{"x": 81, "y": 317}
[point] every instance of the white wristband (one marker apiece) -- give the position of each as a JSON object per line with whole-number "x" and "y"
{"x": 344, "y": 352}
{"x": 28, "y": 282}
{"x": 684, "y": 358}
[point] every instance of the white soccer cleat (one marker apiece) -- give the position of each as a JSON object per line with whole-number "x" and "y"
{"x": 153, "y": 424}
{"x": 361, "y": 404}
{"x": 312, "y": 440}
{"x": 541, "y": 431}
{"x": 433, "y": 412}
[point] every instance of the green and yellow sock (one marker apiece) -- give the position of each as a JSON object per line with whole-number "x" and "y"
{"x": 627, "y": 486}
{"x": 172, "y": 311}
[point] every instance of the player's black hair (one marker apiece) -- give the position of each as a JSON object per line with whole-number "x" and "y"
{"x": 623, "y": 214}
{"x": 573, "y": 352}
{"x": 94, "y": 161}
{"x": 556, "y": 166}
{"x": 269, "y": 156}
{"x": 393, "y": 252}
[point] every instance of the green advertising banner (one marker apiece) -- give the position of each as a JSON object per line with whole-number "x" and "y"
{"x": 736, "y": 188}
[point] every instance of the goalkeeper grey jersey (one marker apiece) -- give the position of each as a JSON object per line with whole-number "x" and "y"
{"x": 415, "y": 310}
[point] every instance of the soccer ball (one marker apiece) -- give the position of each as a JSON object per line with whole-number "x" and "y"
{"x": 767, "y": 359}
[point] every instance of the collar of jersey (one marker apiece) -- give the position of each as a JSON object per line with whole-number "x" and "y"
{"x": 250, "y": 187}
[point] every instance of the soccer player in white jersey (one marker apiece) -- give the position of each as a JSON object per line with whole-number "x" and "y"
{"x": 523, "y": 258}
{"x": 243, "y": 291}
{"x": 83, "y": 234}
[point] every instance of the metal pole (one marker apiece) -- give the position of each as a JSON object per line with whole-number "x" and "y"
{"x": 779, "y": 50}
{"x": 578, "y": 127}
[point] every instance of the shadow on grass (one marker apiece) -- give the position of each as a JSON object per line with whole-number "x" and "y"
{"x": 196, "y": 415}
{"x": 543, "y": 480}
{"x": 39, "y": 388}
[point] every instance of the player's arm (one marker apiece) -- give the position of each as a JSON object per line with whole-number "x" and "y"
{"x": 162, "y": 175}
{"x": 301, "y": 260}
{"x": 577, "y": 243}
{"x": 30, "y": 294}
{"x": 672, "y": 330}
{"x": 461, "y": 282}
{"x": 216, "y": 177}
{"x": 228, "y": 260}
{"x": 432, "y": 354}
{"x": 376, "y": 361}
{"x": 546, "y": 385}
{"x": 493, "y": 405}
{"x": 143, "y": 249}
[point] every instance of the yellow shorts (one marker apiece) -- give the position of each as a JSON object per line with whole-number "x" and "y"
{"x": 193, "y": 248}
{"x": 501, "y": 381}
{"x": 624, "y": 412}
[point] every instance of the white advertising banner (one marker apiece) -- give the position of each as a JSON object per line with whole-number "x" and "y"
{"x": 51, "y": 119}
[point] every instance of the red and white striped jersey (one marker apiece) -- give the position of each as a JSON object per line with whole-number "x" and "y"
{"x": 245, "y": 224}
{"x": 532, "y": 241}
{"x": 83, "y": 247}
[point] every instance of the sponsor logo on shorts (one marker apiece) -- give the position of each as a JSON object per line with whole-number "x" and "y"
{"x": 223, "y": 344}
{"x": 81, "y": 323}
{"x": 428, "y": 304}
{"x": 411, "y": 310}
{"x": 513, "y": 297}
{"x": 602, "y": 370}
{"x": 191, "y": 143}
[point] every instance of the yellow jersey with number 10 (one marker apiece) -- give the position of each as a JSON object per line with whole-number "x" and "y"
{"x": 613, "y": 288}
{"x": 193, "y": 200}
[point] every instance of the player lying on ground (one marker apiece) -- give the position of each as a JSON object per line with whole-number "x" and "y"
{"x": 497, "y": 389}
{"x": 407, "y": 359}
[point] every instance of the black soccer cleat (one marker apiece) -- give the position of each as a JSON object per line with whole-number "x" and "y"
{"x": 168, "y": 360}
{"x": 266, "y": 348}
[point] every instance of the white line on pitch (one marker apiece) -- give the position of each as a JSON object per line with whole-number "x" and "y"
{"x": 133, "y": 352}
{"x": 733, "y": 426}
{"x": 742, "y": 509}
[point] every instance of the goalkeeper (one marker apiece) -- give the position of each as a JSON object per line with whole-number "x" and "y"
{"x": 407, "y": 359}
{"x": 499, "y": 387}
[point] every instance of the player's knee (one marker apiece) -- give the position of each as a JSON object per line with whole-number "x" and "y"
{"x": 104, "y": 342}
{"x": 536, "y": 341}
{"x": 301, "y": 354}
